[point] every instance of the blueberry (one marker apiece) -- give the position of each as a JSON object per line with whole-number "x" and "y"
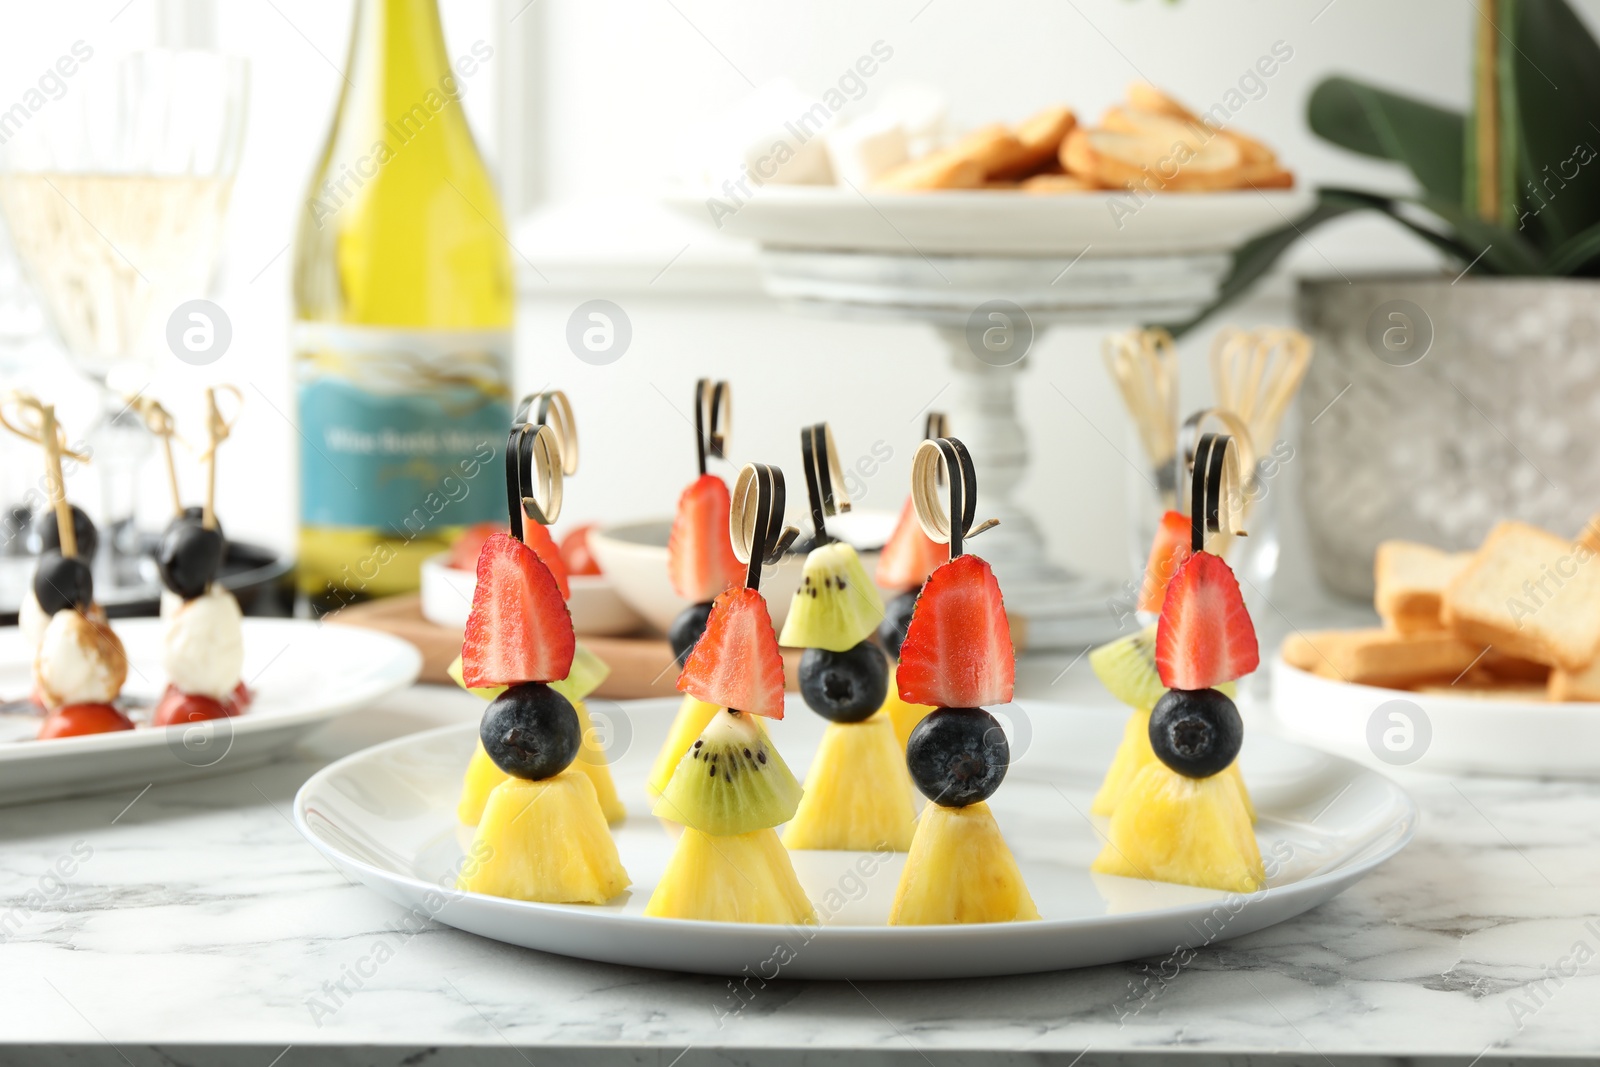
{"x": 687, "y": 630}
{"x": 846, "y": 686}
{"x": 958, "y": 756}
{"x": 531, "y": 731}
{"x": 1196, "y": 732}
{"x": 44, "y": 524}
{"x": 189, "y": 557}
{"x": 896, "y": 620}
{"x": 61, "y": 582}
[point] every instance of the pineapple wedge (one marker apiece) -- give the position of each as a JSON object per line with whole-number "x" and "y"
{"x": 904, "y": 716}
{"x": 592, "y": 762}
{"x": 1192, "y": 831}
{"x": 483, "y": 776}
{"x": 960, "y": 871}
{"x": 741, "y": 878}
{"x": 1134, "y": 754}
{"x": 545, "y": 841}
{"x": 691, "y": 720}
{"x": 857, "y": 793}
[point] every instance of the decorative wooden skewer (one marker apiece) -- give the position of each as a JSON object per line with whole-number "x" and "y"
{"x": 1144, "y": 364}
{"x": 217, "y": 431}
{"x": 36, "y": 422}
{"x": 1241, "y": 449}
{"x": 552, "y": 408}
{"x": 1215, "y": 490}
{"x": 540, "y": 451}
{"x": 1256, "y": 374}
{"x": 713, "y": 419}
{"x": 755, "y": 526}
{"x": 935, "y": 426}
{"x": 953, "y": 527}
{"x": 824, "y": 480}
{"x": 161, "y": 425}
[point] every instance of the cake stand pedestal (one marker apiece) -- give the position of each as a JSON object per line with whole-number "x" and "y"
{"x": 1057, "y": 608}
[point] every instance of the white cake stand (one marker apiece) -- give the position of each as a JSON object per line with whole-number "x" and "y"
{"x": 1084, "y": 260}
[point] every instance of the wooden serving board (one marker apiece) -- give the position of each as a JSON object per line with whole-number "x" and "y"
{"x": 640, "y": 666}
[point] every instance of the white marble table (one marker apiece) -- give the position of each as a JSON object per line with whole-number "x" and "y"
{"x": 193, "y": 925}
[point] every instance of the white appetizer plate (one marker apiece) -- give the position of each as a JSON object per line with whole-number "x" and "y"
{"x": 1441, "y": 734}
{"x": 302, "y": 674}
{"x": 996, "y": 223}
{"x": 387, "y": 817}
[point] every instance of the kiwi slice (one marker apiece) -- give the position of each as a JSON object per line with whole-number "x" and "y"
{"x": 587, "y": 673}
{"x": 731, "y": 781}
{"x": 836, "y": 607}
{"x": 1127, "y": 667}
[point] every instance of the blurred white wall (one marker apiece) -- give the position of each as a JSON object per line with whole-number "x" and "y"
{"x": 622, "y": 83}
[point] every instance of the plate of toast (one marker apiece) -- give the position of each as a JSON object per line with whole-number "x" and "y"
{"x": 1487, "y": 661}
{"x": 1151, "y": 177}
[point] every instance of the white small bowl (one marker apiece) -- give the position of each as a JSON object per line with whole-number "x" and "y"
{"x": 634, "y": 557}
{"x": 597, "y": 610}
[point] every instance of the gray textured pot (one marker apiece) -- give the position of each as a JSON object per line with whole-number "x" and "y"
{"x": 1498, "y": 418}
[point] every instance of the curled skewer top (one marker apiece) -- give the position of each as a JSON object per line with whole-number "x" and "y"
{"x": 949, "y": 457}
{"x": 552, "y": 408}
{"x": 824, "y": 480}
{"x": 534, "y": 482}
{"x": 25, "y": 416}
{"x": 755, "y": 520}
{"x": 1216, "y": 498}
{"x": 713, "y": 419}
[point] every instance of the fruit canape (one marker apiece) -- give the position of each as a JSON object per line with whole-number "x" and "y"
{"x": 907, "y": 559}
{"x": 701, "y": 563}
{"x": 542, "y": 834}
{"x": 79, "y": 664}
{"x": 203, "y": 648}
{"x": 1183, "y": 817}
{"x": 731, "y": 787}
{"x": 857, "y": 794}
{"x": 957, "y": 656}
{"x": 588, "y": 670}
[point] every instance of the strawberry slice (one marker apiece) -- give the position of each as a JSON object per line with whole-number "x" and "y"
{"x": 1205, "y": 636}
{"x": 544, "y": 546}
{"x": 957, "y": 652}
{"x": 519, "y": 629}
{"x": 700, "y": 555}
{"x": 910, "y": 556}
{"x": 737, "y": 663}
{"x": 1167, "y": 554}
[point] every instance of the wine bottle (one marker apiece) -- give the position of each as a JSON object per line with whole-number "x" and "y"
{"x": 403, "y": 301}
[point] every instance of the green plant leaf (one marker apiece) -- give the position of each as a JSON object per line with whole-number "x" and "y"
{"x": 1554, "y": 64}
{"x": 1427, "y": 139}
{"x": 1255, "y": 257}
{"x": 1579, "y": 255}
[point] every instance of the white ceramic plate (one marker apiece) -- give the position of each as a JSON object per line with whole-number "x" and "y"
{"x": 387, "y": 817}
{"x": 998, "y": 222}
{"x": 634, "y": 557}
{"x": 597, "y": 609}
{"x": 302, "y": 674}
{"x": 1442, "y": 734}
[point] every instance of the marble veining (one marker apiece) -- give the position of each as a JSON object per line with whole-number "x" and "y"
{"x": 199, "y": 915}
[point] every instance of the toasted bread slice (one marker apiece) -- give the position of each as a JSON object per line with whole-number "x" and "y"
{"x": 1040, "y": 137}
{"x": 1142, "y": 96}
{"x": 998, "y": 151}
{"x": 1124, "y": 160}
{"x": 937, "y": 170}
{"x": 1531, "y": 594}
{"x": 1411, "y": 578}
{"x": 1381, "y": 657}
{"x": 1505, "y": 668}
{"x": 1575, "y": 685}
{"x": 1589, "y": 536}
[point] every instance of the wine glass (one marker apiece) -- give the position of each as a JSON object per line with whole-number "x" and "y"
{"x": 115, "y": 195}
